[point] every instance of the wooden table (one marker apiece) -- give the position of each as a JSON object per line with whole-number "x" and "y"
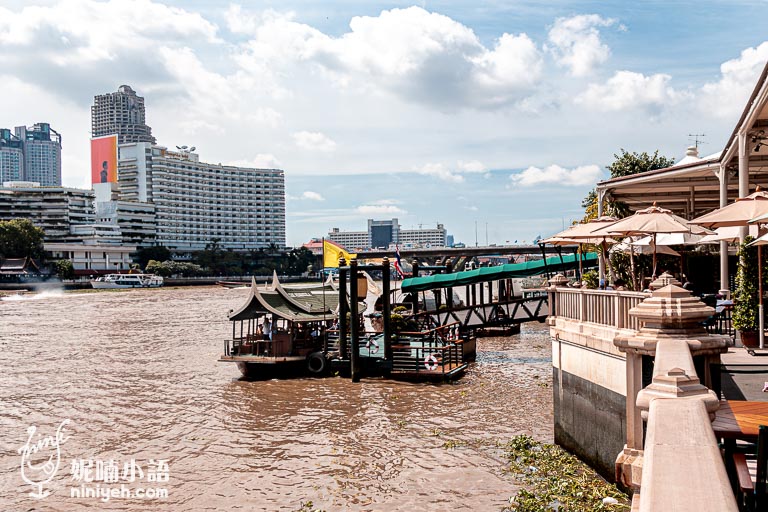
{"x": 740, "y": 419}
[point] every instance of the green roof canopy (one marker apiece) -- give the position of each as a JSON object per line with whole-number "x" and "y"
{"x": 508, "y": 271}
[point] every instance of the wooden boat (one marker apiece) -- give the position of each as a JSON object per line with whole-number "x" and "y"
{"x": 232, "y": 284}
{"x": 280, "y": 331}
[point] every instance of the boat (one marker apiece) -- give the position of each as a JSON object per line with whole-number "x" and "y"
{"x": 232, "y": 284}
{"x": 280, "y": 331}
{"x": 113, "y": 281}
{"x": 291, "y": 331}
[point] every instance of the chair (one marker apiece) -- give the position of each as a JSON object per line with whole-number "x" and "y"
{"x": 752, "y": 474}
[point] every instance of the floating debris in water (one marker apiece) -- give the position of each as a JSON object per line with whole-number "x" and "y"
{"x": 557, "y": 480}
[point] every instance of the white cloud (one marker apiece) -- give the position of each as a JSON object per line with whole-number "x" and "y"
{"x": 473, "y": 166}
{"x": 452, "y": 174}
{"x": 417, "y": 55}
{"x": 627, "y": 90}
{"x": 260, "y": 161}
{"x": 576, "y": 42}
{"x": 554, "y": 174}
{"x": 726, "y": 97}
{"x": 314, "y": 141}
{"x": 441, "y": 172}
{"x": 379, "y": 209}
{"x": 312, "y": 196}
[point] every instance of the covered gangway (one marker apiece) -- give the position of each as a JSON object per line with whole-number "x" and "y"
{"x": 508, "y": 271}
{"x": 695, "y": 186}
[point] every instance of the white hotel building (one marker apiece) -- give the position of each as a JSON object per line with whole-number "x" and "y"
{"x": 196, "y": 203}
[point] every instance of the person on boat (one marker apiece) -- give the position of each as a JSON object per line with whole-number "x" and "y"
{"x": 267, "y": 331}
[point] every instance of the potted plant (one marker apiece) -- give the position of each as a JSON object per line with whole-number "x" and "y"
{"x": 745, "y": 295}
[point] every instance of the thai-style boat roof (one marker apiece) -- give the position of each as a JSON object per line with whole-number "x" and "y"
{"x": 309, "y": 303}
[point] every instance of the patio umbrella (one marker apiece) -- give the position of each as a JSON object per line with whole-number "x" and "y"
{"x": 583, "y": 234}
{"x": 740, "y": 213}
{"x": 652, "y": 221}
{"x": 644, "y": 248}
{"x": 728, "y": 234}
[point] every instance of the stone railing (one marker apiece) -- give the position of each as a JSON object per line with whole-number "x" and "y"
{"x": 603, "y": 307}
{"x": 679, "y": 466}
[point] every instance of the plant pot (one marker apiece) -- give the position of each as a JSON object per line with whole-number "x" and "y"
{"x": 749, "y": 338}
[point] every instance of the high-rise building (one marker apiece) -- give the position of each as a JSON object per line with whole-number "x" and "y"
{"x": 31, "y": 154}
{"x": 120, "y": 113}
{"x": 41, "y": 146}
{"x": 197, "y": 204}
{"x": 11, "y": 157}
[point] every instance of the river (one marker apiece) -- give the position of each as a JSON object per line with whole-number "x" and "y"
{"x": 136, "y": 374}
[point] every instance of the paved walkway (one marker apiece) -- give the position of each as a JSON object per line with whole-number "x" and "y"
{"x": 745, "y": 376}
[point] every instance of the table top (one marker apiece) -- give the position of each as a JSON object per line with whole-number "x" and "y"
{"x": 740, "y": 419}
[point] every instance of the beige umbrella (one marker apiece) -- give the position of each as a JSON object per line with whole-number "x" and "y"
{"x": 582, "y": 234}
{"x": 728, "y": 234}
{"x": 651, "y": 221}
{"x": 740, "y": 213}
{"x": 643, "y": 248}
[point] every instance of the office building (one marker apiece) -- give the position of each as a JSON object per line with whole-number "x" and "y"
{"x": 198, "y": 204}
{"x": 120, "y": 113}
{"x": 381, "y": 234}
{"x": 31, "y": 154}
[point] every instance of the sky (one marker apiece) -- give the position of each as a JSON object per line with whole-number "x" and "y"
{"x": 494, "y": 118}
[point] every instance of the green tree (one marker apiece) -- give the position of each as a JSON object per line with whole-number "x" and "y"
{"x": 156, "y": 252}
{"x": 625, "y": 164}
{"x": 20, "y": 238}
{"x": 64, "y": 269}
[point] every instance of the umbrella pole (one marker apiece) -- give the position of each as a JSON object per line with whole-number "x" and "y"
{"x": 581, "y": 266}
{"x": 760, "y": 312}
{"x": 632, "y": 267}
{"x": 653, "y": 274}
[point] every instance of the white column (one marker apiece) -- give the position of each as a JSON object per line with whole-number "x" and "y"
{"x": 723, "y": 177}
{"x": 601, "y": 259}
{"x": 743, "y": 174}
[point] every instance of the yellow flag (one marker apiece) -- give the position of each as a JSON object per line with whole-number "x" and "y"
{"x": 331, "y": 254}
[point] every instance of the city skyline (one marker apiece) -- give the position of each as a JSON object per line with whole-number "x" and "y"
{"x": 457, "y": 112}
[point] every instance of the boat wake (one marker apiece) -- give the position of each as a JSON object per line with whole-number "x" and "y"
{"x": 45, "y": 294}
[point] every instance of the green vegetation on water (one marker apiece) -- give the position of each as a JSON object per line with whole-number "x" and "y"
{"x": 556, "y": 480}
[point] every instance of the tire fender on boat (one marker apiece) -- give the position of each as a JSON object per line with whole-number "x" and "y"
{"x": 372, "y": 345}
{"x": 316, "y": 363}
{"x": 430, "y": 362}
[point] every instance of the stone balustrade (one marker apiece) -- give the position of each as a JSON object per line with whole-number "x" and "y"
{"x": 679, "y": 466}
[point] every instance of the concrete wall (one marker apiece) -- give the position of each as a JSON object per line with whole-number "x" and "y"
{"x": 589, "y": 388}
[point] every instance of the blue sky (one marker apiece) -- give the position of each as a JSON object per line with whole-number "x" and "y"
{"x": 496, "y": 113}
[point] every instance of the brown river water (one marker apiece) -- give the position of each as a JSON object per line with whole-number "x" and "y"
{"x": 136, "y": 374}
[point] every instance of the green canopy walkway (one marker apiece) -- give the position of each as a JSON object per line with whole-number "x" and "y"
{"x": 508, "y": 271}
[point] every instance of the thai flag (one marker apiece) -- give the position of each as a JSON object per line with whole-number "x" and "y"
{"x": 398, "y": 267}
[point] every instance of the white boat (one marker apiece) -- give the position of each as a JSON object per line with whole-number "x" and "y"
{"x": 111, "y": 281}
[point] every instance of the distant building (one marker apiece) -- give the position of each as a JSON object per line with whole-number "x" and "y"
{"x": 381, "y": 234}
{"x": 31, "y": 154}
{"x": 57, "y": 210}
{"x": 197, "y": 204}
{"x": 11, "y": 157}
{"x": 120, "y": 113}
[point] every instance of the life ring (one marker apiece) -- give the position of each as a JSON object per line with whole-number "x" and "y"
{"x": 372, "y": 345}
{"x": 430, "y": 362}
{"x": 316, "y": 363}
